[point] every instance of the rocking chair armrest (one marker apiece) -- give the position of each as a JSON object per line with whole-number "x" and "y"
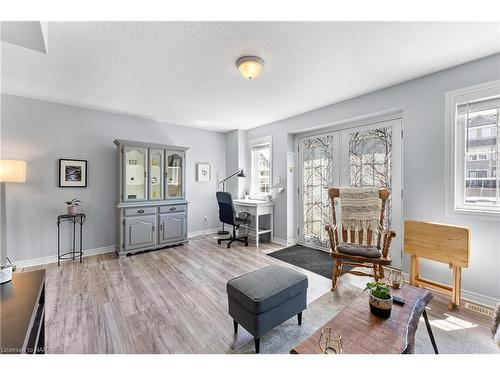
{"x": 333, "y": 234}
{"x": 387, "y": 236}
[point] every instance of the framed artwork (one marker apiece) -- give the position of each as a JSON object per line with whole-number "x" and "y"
{"x": 72, "y": 173}
{"x": 203, "y": 172}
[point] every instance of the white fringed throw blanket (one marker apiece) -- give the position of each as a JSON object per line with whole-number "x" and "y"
{"x": 359, "y": 208}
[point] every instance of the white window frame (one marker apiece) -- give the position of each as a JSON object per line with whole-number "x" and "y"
{"x": 455, "y": 150}
{"x": 262, "y": 141}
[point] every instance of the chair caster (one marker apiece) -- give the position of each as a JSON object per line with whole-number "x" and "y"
{"x": 219, "y": 242}
{"x": 228, "y": 246}
{"x": 246, "y": 243}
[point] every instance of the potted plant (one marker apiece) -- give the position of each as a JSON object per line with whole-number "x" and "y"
{"x": 380, "y": 299}
{"x": 73, "y": 206}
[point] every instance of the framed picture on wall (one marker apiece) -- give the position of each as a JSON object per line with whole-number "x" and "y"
{"x": 203, "y": 172}
{"x": 72, "y": 173}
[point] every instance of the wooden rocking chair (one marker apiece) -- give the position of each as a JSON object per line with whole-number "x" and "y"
{"x": 358, "y": 252}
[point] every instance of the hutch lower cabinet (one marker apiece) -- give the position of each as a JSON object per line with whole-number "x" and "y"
{"x": 152, "y": 210}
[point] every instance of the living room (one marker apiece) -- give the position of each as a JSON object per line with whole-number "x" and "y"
{"x": 243, "y": 185}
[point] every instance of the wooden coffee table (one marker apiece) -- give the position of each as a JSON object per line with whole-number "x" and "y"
{"x": 364, "y": 333}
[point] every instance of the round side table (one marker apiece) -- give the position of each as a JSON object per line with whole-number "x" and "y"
{"x": 80, "y": 219}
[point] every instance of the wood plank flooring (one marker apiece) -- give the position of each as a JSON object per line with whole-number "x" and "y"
{"x": 166, "y": 301}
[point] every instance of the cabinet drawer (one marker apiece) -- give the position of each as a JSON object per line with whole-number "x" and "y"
{"x": 173, "y": 208}
{"x": 140, "y": 211}
{"x": 241, "y": 208}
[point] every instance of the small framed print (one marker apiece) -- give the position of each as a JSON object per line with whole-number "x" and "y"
{"x": 72, "y": 173}
{"x": 203, "y": 172}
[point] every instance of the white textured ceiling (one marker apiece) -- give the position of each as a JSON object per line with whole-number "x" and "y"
{"x": 184, "y": 72}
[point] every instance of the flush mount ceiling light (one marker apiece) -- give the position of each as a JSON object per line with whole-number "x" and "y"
{"x": 250, "y": 66}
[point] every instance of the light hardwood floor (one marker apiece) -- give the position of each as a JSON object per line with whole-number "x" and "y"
{"x": 166, "y": 301}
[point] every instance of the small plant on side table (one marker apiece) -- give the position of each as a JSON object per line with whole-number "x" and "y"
{"x": 380, "y": 299}
{"x": 73, "y": 206}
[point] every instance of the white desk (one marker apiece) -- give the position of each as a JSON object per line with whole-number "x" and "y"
{"x": 256, "y": 208}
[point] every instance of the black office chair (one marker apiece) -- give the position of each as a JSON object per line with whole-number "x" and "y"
{"x": 227, "y": 215}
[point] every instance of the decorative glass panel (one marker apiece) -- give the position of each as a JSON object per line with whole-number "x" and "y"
{"x": 317, "y": 167}
{"x": 174, "y": 175}
{"x": 135, "y": 170}
{"x": 155, "y": 171}
{"x": 370, "y": 161}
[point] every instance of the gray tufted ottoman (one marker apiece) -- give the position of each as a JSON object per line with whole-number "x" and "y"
{"x": 263, "y": 299}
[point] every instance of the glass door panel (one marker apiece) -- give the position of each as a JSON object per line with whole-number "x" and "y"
{"x": 175, "y": 174}
{"x": 155, "y": 174}
{"x": 135, "y": 173}
{"x": 317, "y": 161}
{"x": 371, "y": 156}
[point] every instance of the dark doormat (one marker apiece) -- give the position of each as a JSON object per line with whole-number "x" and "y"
{"x": 313, "y": 260}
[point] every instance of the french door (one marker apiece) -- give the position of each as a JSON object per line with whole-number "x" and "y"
{"x": 357, "y": 156}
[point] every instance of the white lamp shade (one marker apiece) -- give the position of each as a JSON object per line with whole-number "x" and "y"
{"x": 250, "y": 66}
{"x": 13, "y": 171}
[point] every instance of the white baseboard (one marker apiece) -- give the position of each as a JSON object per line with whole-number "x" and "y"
{"x": 203, "y": 232}
{"x": 282, "y": 242}
{"x": 479, "y": 298}
{"x": 53, "y": 258}
{"x": 90, "y": 252}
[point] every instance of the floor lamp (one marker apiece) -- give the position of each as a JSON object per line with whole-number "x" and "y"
{"x": 238, "y": 173}
{"x": 10, "y": 171}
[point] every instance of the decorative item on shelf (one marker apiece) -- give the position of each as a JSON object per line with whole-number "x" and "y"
{"x": 203, "y": 172}
{"x": 330, "y": 341}
{"x": 380, "y": 299}
{"x": 11, "y": 171}
{"x": 73, "y": 206}
{"x": 72, "y": 173}
{"x": 396, "y": 279}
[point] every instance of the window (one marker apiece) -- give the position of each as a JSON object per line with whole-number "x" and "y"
{"x": 474, "y": 147}
{"x": 261, "y": 168}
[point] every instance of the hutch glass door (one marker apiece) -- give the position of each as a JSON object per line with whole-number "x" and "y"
{"x": 135, "y": 173}
{"x": 174, "y": 175}
{"x": 155, "y": 174}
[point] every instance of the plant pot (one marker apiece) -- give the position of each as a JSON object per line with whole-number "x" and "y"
{"x": 72, "y": 210}
{"x": 380, "y": 307}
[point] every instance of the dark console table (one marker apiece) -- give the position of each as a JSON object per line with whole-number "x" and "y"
{"x": 22, "y": 314}
{"x": 78, "y": 218}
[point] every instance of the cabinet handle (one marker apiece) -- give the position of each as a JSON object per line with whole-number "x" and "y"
{"x": 153, "y": 228}
{"x": 161, "y": 226}
{"x": 140, "y": 211}
{"x": 172, "y": 208}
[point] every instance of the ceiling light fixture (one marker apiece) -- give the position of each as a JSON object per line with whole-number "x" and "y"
{"x": 250, "y": 66}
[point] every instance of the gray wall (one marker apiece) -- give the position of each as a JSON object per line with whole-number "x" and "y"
{"x": 42, "y": 132}
{"x": 423, "y": 103}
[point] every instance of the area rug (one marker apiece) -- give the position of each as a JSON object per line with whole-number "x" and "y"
{"x": 313, "y": 260}
{"x": 452, "y": 337}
